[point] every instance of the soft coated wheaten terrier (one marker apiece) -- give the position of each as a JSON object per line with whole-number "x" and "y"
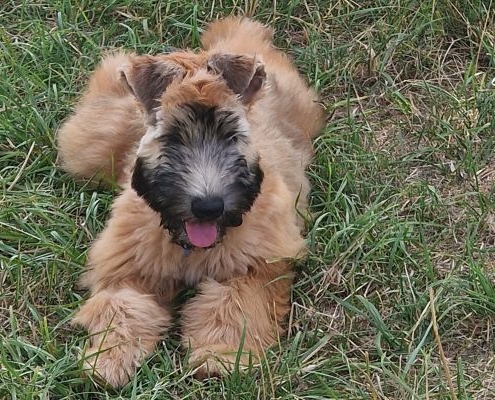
{"x": 210, "y": 148}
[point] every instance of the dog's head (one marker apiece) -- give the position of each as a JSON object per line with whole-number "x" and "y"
{"x": 196, "y": 165}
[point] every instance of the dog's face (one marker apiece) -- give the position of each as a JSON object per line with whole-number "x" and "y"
{"x": 196, "y": 165}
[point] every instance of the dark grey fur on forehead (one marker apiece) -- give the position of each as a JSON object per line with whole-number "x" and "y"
{"x": 202, "y": 123}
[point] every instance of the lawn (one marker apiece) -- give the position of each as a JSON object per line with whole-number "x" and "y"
{"x": 395, "y": 300}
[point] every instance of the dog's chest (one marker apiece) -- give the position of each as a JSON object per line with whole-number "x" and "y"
{"x": 217, "y": 263}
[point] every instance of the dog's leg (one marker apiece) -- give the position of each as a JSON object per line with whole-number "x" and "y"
{"x": 124, "y": 326}
{"x": 95, "y": 142}
{"x": 236, "y": 320}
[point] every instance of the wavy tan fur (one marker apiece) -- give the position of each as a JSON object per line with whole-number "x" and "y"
{"x": 134, "y": 270}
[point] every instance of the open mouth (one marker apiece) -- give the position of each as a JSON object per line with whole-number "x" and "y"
{"x": 201, "y": 234}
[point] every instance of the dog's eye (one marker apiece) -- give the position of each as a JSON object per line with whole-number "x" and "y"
{"x": 236, "y": 137}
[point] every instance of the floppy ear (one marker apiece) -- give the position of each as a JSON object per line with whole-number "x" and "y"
{"x": 147, "y": 77}
{"x": 244, "y": 75}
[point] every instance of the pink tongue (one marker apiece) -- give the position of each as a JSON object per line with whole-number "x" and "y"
{"x": 201, "y": 234}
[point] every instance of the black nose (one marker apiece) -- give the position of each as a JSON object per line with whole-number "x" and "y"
{"x": 209, "y": 207}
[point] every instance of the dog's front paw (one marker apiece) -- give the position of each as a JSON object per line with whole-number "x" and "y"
{"x": 112, "y": 367}
{"x": 215, "y": 361}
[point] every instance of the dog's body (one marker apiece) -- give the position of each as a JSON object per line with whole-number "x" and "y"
{"x": 211, "y": 149}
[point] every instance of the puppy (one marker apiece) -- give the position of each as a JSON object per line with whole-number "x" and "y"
{"x": 210, "y": 148}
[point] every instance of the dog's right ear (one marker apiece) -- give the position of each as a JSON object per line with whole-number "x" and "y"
{"x": 147, "y": 77}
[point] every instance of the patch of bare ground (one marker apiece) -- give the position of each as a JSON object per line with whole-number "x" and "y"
{"x": 486, "y": 185}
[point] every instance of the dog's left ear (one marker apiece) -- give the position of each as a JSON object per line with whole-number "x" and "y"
{"x": 147, "y": 77}
{"x": 244, "y": 75}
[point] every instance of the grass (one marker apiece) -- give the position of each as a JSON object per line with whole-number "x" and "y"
{"x": 402, "y": 256}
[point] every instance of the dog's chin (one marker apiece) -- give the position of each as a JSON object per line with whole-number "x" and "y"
{"x": 190, "y": 234}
